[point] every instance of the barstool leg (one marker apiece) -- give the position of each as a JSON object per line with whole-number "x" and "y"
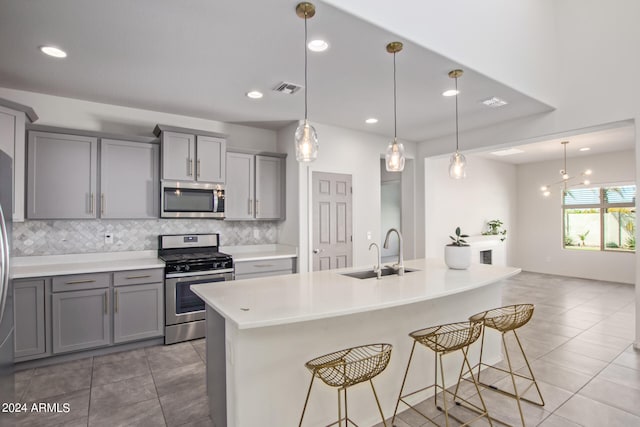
{"x": 346, "y": 411}
{"x": 444, "y": 396}
{"x": 339, "y": 409}
{"x": 533, "y": 378}
{"x": 384, "y": 422}
{"x": 475, "y": 383}
{"x": 406, "y": 372}
{"x": 513, "y": 379}
{"x": 306, "y": 400}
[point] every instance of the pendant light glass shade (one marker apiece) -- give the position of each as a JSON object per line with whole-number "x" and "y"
{"x": 306, "y": 138}
{"x": 458, "y": 163}
{"x": 394, "y": 159}
{"x": 458, "y": 166}
{"x": 306, "y": 142}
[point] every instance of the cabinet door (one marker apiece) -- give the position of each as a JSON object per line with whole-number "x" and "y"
{"x": 178, "y": 156}
{"x": 138, "y": 312}
{"x": 129, "y": 179}
{"x": 61, "y": 176}
{"x": 29, "y": 318}
{"x": 269, "y": 187}
{"x": 12, "y": 142}
{"x": 80, "y": 320}
{"x": 210, "y": 164}
{"x": 239, "y": 200}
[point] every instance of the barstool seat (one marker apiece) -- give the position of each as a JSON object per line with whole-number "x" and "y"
{"x": 507, "y": 319}
{"x": 445, "y": 339}
{"x": 345, "y": 368}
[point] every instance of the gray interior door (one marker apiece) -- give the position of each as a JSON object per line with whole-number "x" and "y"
{"x": 332, "y": 221}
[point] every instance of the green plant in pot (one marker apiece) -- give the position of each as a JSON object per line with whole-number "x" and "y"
{"x": 495, "y": 228}
{"x": 457, "y": 254}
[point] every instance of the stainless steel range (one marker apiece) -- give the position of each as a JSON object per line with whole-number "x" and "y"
{"x": 190, "y": 259}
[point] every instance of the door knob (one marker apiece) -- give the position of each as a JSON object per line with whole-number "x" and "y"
{"x": 317, "y": 251}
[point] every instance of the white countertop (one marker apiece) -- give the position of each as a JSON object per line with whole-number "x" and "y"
{"x": 286, "y": 299}
{"x": 58, "y": 265}
{"x": 260, "y": 252}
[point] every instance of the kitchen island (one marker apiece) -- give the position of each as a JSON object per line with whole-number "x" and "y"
{"x": 260, "y": 332}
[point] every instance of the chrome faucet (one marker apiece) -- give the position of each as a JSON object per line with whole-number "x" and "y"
{"x": 399, "y": 267}
{"x": 377, "y": 268}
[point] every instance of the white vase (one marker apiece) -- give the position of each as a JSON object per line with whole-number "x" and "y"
{"x": 457, "y": 257}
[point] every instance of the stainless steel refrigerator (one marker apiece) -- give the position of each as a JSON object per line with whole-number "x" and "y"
{"x": 6, "y": 291}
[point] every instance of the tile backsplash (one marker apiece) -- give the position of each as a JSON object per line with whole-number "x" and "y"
{"x": 58, "y": 237}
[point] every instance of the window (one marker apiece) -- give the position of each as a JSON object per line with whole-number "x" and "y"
{"x": 600, "y": 219}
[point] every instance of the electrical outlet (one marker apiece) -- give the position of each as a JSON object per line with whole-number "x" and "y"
{"x": 368, "y": 235}
{"x": 108, "y": 238}
{"x": 256, "y": 234}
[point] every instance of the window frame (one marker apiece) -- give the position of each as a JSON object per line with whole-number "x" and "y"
{"x": 602, "y": 207}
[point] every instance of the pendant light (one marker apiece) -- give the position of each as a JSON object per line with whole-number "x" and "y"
{"x": 566, "y": 179}
{"x": 458, "y": 163}
{"x": 394, "y": 158}
{"x": 305, "y": 135}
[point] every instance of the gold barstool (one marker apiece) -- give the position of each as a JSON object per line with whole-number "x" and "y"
{"x": 507, "y": 319}
{"x": 445, "y": 339}
{"x": 348, "y": 367}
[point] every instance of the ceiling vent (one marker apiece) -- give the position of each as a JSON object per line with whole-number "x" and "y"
{"x": 288, "y": 88}
{"x": 494, "y": 102}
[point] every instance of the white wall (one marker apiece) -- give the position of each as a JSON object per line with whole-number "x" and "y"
{"x": 76, "y": 114}
{"x": 539, "y": 228}
{"x": 488, "y": 193}
{"x": 342, "y": 151}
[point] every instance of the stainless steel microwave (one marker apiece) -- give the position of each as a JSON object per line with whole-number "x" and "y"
{"x": 191, "y": 200}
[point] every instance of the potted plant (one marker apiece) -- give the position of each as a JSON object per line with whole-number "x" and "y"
{"x": 457, "y": 254}
{"x": 495, "y": 226}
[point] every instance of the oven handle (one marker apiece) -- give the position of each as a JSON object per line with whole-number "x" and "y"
{"x": 199, "y": 273}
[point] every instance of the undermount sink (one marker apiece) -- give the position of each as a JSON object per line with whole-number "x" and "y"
{"x": 369, "y": 274}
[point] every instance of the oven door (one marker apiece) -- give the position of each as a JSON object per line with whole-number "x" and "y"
{"x": 182, "y": 305}
{"x": 191, "y": 200}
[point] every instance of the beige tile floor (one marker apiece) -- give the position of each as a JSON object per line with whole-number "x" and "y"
{"x": 579, "y": 343}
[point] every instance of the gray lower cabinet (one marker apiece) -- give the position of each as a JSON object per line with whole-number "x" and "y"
{"x": 80, "y": 320}
{"x": 29, "y": 318}
{"x": 61, "y": 176}
{"x": 138, "y": 312}
{"x": 129, "y": 179}
{"x": 264, "y": 268}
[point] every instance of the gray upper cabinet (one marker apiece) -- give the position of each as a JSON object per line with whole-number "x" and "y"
{"x": 191, "y": 157}
{"x": 239, "y": 194}
{"x": 178, "y": 156}
{"x": 61, "y": 176}
{"x": 129, "y": 179}
{"x": 269, "y": 187}
{"x": 255, "y": 187}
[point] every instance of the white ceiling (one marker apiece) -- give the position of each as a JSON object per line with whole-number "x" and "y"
{"x": 200, "y": 57}
{"x": 616, "y": 138}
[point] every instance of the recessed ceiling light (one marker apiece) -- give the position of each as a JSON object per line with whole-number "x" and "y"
{"x": 450, "y": 92}
{"x": 494, "y": 102}
{"x": 371, "y": 120}
{"x": 318, "y": 45}
{"x": 254, "y": 94}
{"x": 507, "y": 152}
{"x": 53, "y": 51}
{"x": 585, "y": 149}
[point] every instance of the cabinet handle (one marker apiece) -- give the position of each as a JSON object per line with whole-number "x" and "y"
{"x": 198, "y": 169}
{"x": 144, "y": 276}
{"x": 77, "y": 282}
{"x": 189, "y": 166}
{"x": 250, "y": 206}
{"x": 263, "y": 265}
{"x": 257, "y": 207}
{"x": 91, "y": 203}
{"x": 106, "y": 302}
{"x": 102, "y": 204}
{"x": 115, "y": 302}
